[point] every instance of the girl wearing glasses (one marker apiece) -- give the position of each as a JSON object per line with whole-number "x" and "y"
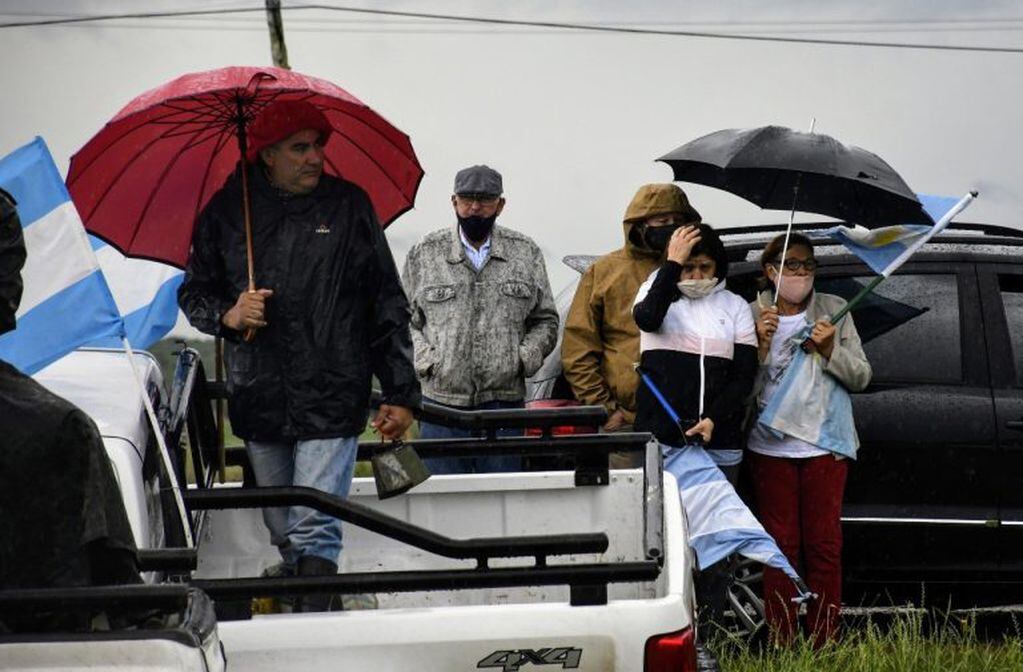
{"x": 698, "y": 343}
{"x": 799, "y": 487}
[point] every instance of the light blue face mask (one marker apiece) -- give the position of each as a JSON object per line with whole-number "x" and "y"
{"x": 697, "y": 289}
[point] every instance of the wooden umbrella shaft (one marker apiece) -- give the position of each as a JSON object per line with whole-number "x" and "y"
{"x": 248, "y": 226}
{"x": 243, "y": 167}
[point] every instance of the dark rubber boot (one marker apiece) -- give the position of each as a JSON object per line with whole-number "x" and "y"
{"x": 313, "y": 565}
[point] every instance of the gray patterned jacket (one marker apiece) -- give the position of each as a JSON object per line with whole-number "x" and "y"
{"x": 477, "y": 335}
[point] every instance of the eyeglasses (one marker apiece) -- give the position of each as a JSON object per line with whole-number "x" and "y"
{"x": 705, "y": 267}
{"x": 482, "y": 199}
{"x": 793, "y": 264}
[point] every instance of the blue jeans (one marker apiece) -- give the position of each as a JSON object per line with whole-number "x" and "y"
{"x": 470, "y": 465}
{"x": 324, "y": 464}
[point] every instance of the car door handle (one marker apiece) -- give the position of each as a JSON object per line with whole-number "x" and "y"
{"x": 1014, "y": 424}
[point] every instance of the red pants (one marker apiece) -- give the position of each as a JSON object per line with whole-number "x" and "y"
{"x": 800, "y": 504}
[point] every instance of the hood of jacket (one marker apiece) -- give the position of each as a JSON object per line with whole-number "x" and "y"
{"x": 652, "y": 200}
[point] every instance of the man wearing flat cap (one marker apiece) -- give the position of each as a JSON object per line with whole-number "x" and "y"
{"x": 483, "y": 318}
{"x": 328, "y": 315}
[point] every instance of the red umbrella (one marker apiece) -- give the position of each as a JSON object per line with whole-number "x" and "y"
{"x": 142, "y": 180}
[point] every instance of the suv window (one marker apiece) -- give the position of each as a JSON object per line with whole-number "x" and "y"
{"x": 1011, "y": 287}
{"x": 909, "y": 326}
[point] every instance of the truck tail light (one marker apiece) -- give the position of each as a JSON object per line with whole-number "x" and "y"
{"x": 671, "y": 652}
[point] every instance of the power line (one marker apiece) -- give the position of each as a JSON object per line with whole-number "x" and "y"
{"x": 522, "y": 23}
{"x": 137, "y": 15}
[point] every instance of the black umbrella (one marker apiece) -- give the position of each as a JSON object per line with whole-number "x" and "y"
{"x": 781, "y": 169}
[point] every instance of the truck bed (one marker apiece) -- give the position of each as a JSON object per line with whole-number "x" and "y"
{"x": 468, "y": 629}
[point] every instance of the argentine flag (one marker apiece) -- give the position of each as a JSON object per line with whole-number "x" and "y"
{"x": 720, "y": 524}
{"x": 66, "y": 302}
{"x": 146, "y": 294}
{"x": 886, "y": 248}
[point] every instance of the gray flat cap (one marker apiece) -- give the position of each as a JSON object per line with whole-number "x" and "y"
{"x": 478, "y": 180}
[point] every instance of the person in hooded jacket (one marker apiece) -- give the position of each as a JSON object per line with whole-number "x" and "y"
{"x": 601, "y": 342}
{"x": 698, "y": 343}
{"x": 329, "y": 315}
{"x": 63, "y": 522}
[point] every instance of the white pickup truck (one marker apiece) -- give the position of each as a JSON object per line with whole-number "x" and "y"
{"x": 573, "y": 568}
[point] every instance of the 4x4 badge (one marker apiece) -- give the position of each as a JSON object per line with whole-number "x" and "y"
{"x": 510, "y": 661}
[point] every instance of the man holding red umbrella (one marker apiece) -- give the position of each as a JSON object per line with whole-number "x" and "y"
{"x": 327, "y": 314}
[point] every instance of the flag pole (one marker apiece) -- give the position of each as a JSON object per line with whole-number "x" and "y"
{"x": 788, "y": 229}
{"x": 662, "y": 401}
{"x": 939, "y": 226}
{"x": 161, "y": 443}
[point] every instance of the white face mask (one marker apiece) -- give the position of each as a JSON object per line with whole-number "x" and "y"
{"x": 795, "y": 288}
{"x": 697, "y": 289}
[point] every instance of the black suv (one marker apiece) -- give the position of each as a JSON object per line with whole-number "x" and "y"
{"x": 934, "y": 504}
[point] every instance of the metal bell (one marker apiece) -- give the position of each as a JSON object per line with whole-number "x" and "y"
{"x": 397, "y": 469}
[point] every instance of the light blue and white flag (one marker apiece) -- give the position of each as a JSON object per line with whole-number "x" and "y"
{"x": 887, "y": 248}
{"x": 720, "y": 523}
{"x": 66, "y": 302}
{"x": 145, "y": 293}
{"x": 811, "y": 405}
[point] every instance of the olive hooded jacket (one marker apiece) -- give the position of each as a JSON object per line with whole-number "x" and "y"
{"x": 601, "y": 341}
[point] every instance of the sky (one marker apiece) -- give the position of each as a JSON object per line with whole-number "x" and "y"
{"x": 573, "y": 120}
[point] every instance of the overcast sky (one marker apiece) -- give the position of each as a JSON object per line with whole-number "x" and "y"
{"x": 574, "y": 120}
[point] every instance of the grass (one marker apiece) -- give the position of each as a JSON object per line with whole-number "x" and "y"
{"x": 909, "y": 642}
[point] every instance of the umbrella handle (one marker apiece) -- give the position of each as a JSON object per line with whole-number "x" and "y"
{"x": 250, "y": 333}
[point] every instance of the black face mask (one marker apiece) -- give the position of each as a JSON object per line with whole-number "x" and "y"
{"x": 477, "y": 228}
{"x": 657, "y": 237}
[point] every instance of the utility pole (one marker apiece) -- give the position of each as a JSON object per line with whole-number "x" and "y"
{"x": 276, "y": 25}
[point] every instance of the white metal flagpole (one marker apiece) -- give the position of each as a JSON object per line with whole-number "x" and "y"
{"x": 938, "y": 227}
{"x": 788, "y": 229}
{"x": 963, "y": 203}
{"x": 161, "y": 444}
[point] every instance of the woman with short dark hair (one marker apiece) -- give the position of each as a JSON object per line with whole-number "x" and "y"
{"x": 799, "y": 486}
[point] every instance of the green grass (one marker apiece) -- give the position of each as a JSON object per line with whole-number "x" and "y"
{"x": 908, "y": 643}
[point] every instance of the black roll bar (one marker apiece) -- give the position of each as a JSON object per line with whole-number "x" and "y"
{"x": 571, "y": 444}
{"x": 34, "y": 600}
{"x": 588, "y": 582}
{"x": 487, "y": 421}
{"x": 515, "y": 418}
{"x": 174, "y": 560}
{"x": 481, "y": 549}
{"x": 490, "y": 421}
